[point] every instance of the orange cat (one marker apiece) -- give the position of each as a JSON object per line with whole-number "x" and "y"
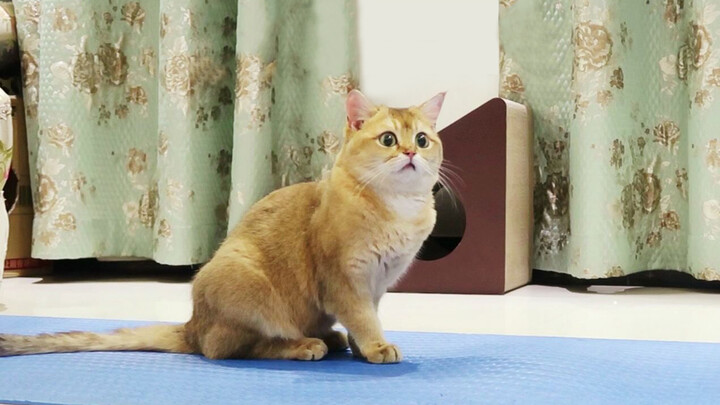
{"x": 306, "y": 256}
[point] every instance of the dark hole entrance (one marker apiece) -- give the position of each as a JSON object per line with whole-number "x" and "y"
{"x": 449, "y": 226}
{"x": 10, "y": 190}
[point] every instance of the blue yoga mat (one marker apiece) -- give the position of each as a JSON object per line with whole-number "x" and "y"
{"x": 439, "y": 368}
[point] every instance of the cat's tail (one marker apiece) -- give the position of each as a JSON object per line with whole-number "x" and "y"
{"x": 159, "y": 338}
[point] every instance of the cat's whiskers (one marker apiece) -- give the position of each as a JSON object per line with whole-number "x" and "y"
{"x": 448, "y": 172}
{"x": 444, "y": 180}
{"x": 374, "y": 174}
{"x": 447, "y": 163}
{"x": 448, "y": 169}
{"x": 449, "y": 180}
{"x": 446, "y": 183}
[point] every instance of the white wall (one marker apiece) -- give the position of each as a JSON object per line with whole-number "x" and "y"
{"x": 412, "y": 49}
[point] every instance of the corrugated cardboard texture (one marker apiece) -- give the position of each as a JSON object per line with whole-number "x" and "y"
{"x": 518, "y": 203}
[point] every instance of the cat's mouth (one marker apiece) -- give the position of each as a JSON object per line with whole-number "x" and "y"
{"x": 408, "y": 167}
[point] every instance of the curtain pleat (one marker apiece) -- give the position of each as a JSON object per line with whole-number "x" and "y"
{"x": 626, "y": 118}
{"x": 154, "y": 125}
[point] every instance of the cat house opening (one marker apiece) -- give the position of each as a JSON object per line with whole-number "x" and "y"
{"x": 10, "y": 190}
{"x": 449, "y": 225}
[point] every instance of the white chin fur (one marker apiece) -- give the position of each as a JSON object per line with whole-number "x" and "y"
{"x": 421, "y": 179}
{"x": 390, "y": 177}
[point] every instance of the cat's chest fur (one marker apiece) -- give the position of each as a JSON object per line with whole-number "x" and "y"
{"x": 397, "y": 242}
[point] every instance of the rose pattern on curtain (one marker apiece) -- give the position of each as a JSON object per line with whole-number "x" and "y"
{"x": 153, "y": 126}
{"x": 626, "y": 117}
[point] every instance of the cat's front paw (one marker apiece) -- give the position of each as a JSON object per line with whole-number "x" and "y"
{"x": 310, "y": 349}
{"x": 381, "y": 353}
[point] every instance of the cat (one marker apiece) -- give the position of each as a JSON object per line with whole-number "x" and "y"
{"x": 306, "y": 255}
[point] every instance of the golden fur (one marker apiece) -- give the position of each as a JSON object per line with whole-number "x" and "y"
{"x": 305, "y": 256}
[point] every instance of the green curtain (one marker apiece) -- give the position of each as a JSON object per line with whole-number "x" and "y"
{"x": 626, "y": 103}
{"x": 154, "y": 125}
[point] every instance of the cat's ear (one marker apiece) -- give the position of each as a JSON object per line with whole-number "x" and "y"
{"x": 359, "y": 109}
{"x": 431, "y": 108}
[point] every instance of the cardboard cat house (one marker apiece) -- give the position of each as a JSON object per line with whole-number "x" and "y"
{"x": 482, "y": 239}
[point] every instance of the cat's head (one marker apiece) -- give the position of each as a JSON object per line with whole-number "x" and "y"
{"x": 392, "y": 149}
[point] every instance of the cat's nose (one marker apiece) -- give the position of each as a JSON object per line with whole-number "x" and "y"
{"x": 409, "y": 154}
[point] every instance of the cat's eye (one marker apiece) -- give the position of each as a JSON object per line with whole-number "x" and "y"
{"x": 387, "y": 139}
{"x": 422, "y": 140}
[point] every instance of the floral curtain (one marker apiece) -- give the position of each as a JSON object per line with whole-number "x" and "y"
{"x": 626, "y": 102}
{"x": 153, "y": 125}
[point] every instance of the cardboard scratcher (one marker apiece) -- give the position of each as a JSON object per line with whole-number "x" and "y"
{"x": 482, "y": 238}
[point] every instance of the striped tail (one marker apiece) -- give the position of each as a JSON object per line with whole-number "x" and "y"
{"x": 158, "y": 338}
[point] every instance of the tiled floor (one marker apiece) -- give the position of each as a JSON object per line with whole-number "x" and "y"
{"x": 599, "y": 312}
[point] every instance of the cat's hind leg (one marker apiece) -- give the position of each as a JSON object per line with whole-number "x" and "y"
{"x": 225, "y": 342}
{"x": 292, "y": 349}
{"x": 249, "y": 317}
{"x": 240, "y": 294}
